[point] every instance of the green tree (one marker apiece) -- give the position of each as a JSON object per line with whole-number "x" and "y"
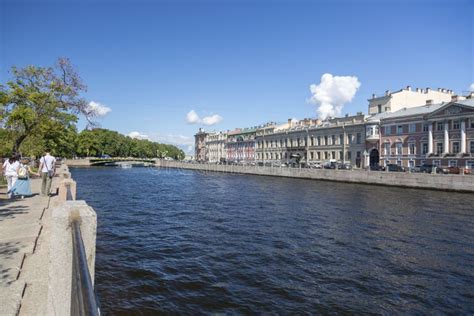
{"x": 40, "y": 98}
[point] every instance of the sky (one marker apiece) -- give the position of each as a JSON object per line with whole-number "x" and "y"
{"x": 163, "y": 69}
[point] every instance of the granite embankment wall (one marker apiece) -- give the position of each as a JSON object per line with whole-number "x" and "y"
{"x": 462, "y": 183}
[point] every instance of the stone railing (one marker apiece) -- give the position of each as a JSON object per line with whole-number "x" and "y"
{"x": 71, "y": 252}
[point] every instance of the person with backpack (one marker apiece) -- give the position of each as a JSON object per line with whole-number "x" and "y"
{"x": 22, "y": 186}
{"x": 10, "y": 169}
{"x": 47, "y": 168}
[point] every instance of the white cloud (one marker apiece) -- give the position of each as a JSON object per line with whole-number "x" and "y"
{"x": 471, "y": 88}
{"x": 193, "y": 118}
{"x": 332, "y": 93}
{"x": 97, "y": 109}
{"x": 137, "y": 135}
{"x": 211, "y": 120}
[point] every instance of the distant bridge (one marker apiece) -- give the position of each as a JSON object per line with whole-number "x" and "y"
{"x": 107, "y": 161}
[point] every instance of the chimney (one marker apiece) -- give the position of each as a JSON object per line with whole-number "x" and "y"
{"x": 347, "y": 114}
{"x": 387, "y": 92}
{"x": 429, "y": 102}
{"x": 470, "y": 95}
{"x": 409, "y": 88}
{"x": 454, "y": 98}
{"x": 374, "y": 95}
{"x": 290, "y": 122}
{"x": 418, "y": 90}
{"x": 428, "y": 90}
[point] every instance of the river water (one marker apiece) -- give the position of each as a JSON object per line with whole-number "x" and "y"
{"x": 188, "y": 242}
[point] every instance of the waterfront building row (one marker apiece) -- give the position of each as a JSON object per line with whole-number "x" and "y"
{"x": 431, "y": 133}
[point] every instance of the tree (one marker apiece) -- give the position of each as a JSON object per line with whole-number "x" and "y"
{"x": 38, "y": 98}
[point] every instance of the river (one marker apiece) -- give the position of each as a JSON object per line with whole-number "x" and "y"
{"x": 188, "y": 242}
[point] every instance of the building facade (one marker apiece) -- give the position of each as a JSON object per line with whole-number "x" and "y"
{"x": 439, "y": 134}
{"x": 338, "y": 139}
{"x": 216, "y": 146}
{"x": 405, "y": 98}
{"x": 200, "y": 139}
{"x": 240, "y": 145}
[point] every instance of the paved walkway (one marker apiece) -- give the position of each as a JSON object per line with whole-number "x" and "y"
{"x": 24, "y": 251}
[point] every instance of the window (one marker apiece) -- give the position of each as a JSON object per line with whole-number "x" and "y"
{"x": 349, "y": 155}
{"x": 399, "y": 149}
{"x": 412, "y": 128}
{"x": 333, "y": 155}
{"x": 311, "y": 154}
{"x": 470, "y": 164}
{"x": 425, "y": 127}
{"x": 379, "y": 108}
{"x": 453, "y": 163}
{"x": 456, "y": 125}
{"x": 325, "y": 155}
{"x": 341, "y": 139}
{"x": 359, "y": 138}
{"x": 411, "y": 163}
{"x": 455, "y": 147}
{"x": 319, "y": 155}
{"x": 325, "y": 140}
{"x": 341, "y": 155}
{"x": 424, "y": 148}
{"x": 312, "y": 141}
{"x": 319, "y": 140}
{"x": 437, "y": 163}
{"x": 472, "y": 147}
{"x": 439, "y": 126}
{"x": 386, "y": 149}
{"x": 349, "y": 138}
{"x": 399, "y": 162}
{"x": 298, "y": 142}
{"x": 411, "y": 149}
{"x": 333, "y": 140}
{"x": 399, "y": 129}
{"x": 286, "y": 155}
{"x": 388, "y": 130}
{"x": 439, "y": 148}
{"x": 472, "y": 123}
{"x": 358, "y": 154}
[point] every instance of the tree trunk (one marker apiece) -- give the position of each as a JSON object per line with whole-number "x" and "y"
{"x": 18, "y": 141}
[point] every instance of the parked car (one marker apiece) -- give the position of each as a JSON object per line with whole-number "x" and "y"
{"x": 450, "y": 170}
{"x": 395, "y": 168}
{"x": 426, "y": 168}
{"x": 344, "y": 166}
{"x": 377, "y": 168}
{"x": 415, "y": 169}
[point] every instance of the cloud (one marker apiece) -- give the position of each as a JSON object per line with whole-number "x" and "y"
{"x": 332, "y": 93}
{"x": 137, "y": 135}
{"x": 211, "y": 120}
{"x": 97, "y": 109}
{"x": 471, "y": 88}
{"x": 193, "y": 118}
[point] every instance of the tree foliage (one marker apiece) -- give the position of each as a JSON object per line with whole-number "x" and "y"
{"x": 39, "y": 108}
{"x": 38, "y": 98}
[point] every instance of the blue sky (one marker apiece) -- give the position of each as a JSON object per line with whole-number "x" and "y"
{"x": 152, "y": 62}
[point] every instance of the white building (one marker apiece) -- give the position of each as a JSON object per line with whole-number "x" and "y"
{"x": 215, "y": 144}
{"x": 406, "y": 98}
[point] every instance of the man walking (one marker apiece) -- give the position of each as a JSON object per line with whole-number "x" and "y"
{"x": 48, "y": 168}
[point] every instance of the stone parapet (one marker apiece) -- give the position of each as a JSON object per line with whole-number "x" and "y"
{"x": 451, "y": 182}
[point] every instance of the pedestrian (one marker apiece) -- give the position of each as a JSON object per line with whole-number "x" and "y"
{"x": 48, "y": 169}
{"x": 10, "y": 169}
{"x": 22, "y": 186}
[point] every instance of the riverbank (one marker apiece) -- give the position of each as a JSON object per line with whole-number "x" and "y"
{"x": 34, "y": 239}
{"x": 449, "y": 182}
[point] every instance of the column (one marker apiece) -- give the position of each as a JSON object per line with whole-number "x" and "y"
{"x": 463, "y": 136}
{"x": 430, "y": 138}
{"x": 446, "y": 138}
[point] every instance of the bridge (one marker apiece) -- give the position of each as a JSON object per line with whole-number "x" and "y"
{"x": 85, "y": 162}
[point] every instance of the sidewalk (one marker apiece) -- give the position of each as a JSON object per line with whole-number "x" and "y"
{"x": 24, "y": 250}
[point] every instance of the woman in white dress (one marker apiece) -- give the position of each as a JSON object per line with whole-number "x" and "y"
{"x": 10, "y": 168}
